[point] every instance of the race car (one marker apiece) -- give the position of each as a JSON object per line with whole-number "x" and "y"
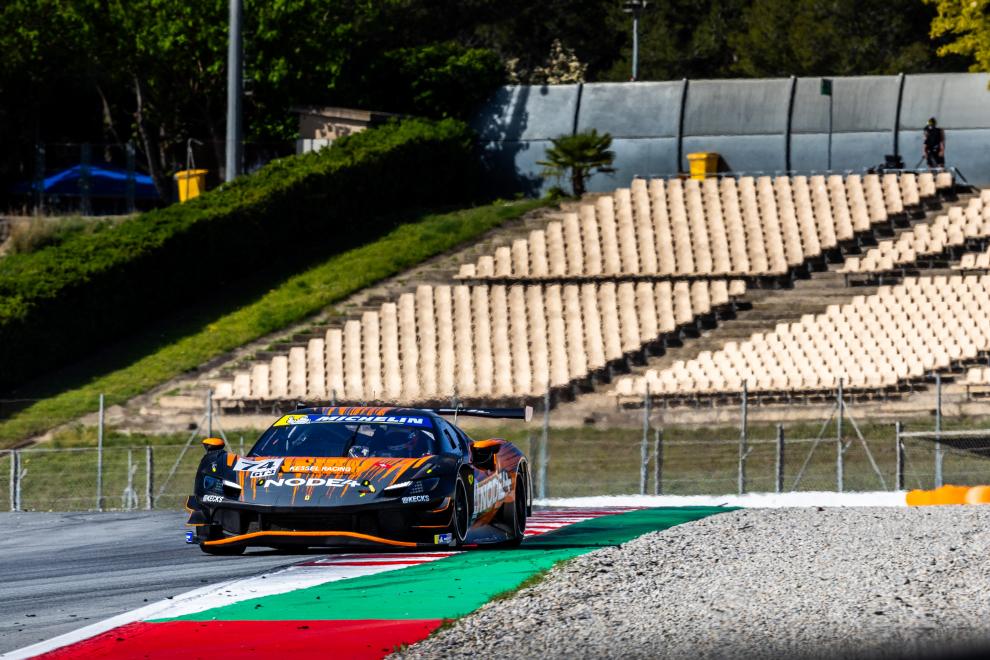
{"x": 361, "y": 476}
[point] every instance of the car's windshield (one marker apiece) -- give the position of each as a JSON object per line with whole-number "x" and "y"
{"x": 308, "y": 435}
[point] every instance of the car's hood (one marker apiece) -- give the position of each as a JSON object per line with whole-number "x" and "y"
{"x": 313, "y": 481}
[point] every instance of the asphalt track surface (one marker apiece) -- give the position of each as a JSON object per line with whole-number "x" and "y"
{"x": 62, "y": 571}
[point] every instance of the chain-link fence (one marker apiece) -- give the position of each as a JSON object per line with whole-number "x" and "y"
{"x": 839, "y": 453}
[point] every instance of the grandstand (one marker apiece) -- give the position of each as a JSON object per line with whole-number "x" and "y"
{"x": 640, "y": 275}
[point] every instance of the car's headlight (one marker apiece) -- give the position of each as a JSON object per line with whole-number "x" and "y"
{"x": 412, "y": 487}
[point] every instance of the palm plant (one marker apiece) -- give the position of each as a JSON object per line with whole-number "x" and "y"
{"x": 581, "y": 155}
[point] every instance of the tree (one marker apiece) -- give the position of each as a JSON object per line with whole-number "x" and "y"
{"x": 967, "y": 24}
{"x": 581, "y": 154}
{"x": 836, "y": 37}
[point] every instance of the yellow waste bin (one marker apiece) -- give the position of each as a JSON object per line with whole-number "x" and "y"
{"x": 192, "y": 183}
{"x": 702, "y": 164}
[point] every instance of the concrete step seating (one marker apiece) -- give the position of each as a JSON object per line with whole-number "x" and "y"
{"x": 752, "y": 227}
{"x": 482, "y": 341}
{"x": 875, "y": 342}
{"x": 925, "y": 241}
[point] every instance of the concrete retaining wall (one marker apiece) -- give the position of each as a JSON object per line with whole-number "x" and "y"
{"x": 756, "y": 125}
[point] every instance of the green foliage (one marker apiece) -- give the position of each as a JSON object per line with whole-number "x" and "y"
{"x": 61, "y": 302}
{"x": 966, "y": 27}
{"x": 436, "y": 80}
{"x": 163, "y": 351}
{"x": 32, "y": 234}
{"x": 840, "y": 37}
{"x": 579, "y": 155}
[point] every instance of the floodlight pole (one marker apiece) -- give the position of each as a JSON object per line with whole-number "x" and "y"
{"x": 235, "y": 78}
{"x": 635, "y": 7}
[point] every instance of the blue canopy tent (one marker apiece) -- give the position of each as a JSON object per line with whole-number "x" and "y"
{"x": 103, "y": 182}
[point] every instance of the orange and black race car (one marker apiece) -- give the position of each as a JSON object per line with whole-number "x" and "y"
{"x": 340, "y": 476}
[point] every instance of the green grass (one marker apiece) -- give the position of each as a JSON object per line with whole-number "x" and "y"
{"x": 290, "y": 301}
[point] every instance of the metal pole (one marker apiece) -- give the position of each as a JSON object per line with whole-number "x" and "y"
{"x": 899, "y": 455}
{"x": 13, "y": 480}
{"x": 130, "y": 496}
{"x": 241, "y": 452}
{"x": 544, "y": 439}
{"x": 39, "y": 178}
{"x": 85, "y": 172}
{"x": 99, "y": 459}
{"x": 18, "y": 479}
{"x": 235, "y": 82}
{"x": 839, "y": 466}
{"x": 780, "y": 459}
{"x": 149, "y": 480}
{"x": 938, "y": 431}
{"x": 209, "y": 413}
{"x": 644, "y": 449}
{"x": 657, "y": 461}
{"x": 635, "y": 52}
{"x": 829, "y": 131}
{"x": 743, "y": 439}
{"x": 131, "y": 183}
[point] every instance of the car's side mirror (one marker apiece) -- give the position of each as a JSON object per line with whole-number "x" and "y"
{"x": 483, "y": 453}
{"x": 213, "y": 444}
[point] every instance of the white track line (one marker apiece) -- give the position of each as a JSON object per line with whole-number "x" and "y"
{"x": 749, "y": 500}
{"x": 309, "y": 573}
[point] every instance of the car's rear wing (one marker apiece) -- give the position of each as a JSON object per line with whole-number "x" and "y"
{"x": 525, "y": 413}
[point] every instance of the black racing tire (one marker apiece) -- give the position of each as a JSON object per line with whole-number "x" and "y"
{"x": 515, "y": 516}
{"x": 460, "y": 517}
{"x": 223, "y": 550}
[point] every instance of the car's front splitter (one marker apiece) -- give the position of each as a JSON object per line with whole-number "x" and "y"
{"x": 320, "y": 538}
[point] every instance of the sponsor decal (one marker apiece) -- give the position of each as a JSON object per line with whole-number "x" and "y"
{"x": 213, "y": 498}
{"x": 339, "y": 469}
{"x": 443, "y": 539}
{"x": 190, "y": 537}
{"x": 291, "y": 420}
{"x": 295, "y": 482}
{"x": 258, "y": 469}
{"x": 491, "y": 491}
{"x": 411, "y": 499}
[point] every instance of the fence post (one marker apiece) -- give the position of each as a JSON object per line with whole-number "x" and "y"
{"x": 644, "y": 449}
{"x": 130, "y": 177}
{"x": 657, "y": 461}
{"x": 13, "y": 481}
{"x": 938, "y": 430}
{"x": 149, "y": 481}
{"x": 85, "y": 177}
{"x": 839, "y": 464}
{"x": 99, "y": 458}
{"x": 242, "y": 446}
{"x": 39, "y": 178}
{"x": 544, "y": 439}
{"x": 209, "y": 412}
{"x": 18, "y": 478}
{"x": 780, "y": 459}
{"x": 131, "y": 496}
{"x": 899, "y": 455}
{"x": 743, "y": 439}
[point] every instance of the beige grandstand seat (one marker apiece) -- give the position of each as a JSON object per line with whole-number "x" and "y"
{"x": 952, "y": 229}
{"x": 316, "y": 369}
{"x": 279, "y": 377}
{"x": 900, "y": 332}
{"x": 296, "y": 375}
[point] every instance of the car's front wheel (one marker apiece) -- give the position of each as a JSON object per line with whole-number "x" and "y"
{"x": 460, "y": 517}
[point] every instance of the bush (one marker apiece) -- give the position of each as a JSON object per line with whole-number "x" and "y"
{"x": 63, "y": 301}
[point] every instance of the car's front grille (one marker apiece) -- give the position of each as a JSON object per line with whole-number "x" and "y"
{"x": 310, "y": 522}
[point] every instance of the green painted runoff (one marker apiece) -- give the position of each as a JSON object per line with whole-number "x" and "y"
{"x": 454, "y": 586}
